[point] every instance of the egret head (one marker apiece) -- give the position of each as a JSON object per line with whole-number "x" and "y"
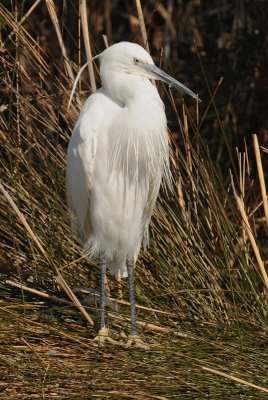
{"x": 133, "y": 59}
{"x": 129, "y": 59}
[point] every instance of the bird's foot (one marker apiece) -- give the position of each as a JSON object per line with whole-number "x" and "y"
{"x": 103, "y": 337}
{"x": 121, "y": 336}
{"x": 135, "y": 341}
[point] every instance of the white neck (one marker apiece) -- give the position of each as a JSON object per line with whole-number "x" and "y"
{"x": 127, "y": 88}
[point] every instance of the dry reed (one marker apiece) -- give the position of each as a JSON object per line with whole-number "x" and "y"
{"x": 204, "y": 265}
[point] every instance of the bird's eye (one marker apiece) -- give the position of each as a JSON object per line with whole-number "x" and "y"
{"x": 136, "y": 61}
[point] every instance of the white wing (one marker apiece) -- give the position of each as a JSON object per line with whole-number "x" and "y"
{"x": 81, "y": 156}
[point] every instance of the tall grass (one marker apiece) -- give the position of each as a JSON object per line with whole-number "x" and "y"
{"x": 201, "y": 263}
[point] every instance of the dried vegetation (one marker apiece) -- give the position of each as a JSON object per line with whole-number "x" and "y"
{"x": 206, "y": 269}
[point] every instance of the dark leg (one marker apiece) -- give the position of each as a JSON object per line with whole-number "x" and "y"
{"x": 131, "y": 280}
{"x": 102, "y": 291}
{"x": 133, "y": 339}
{"x": 103, "y": 335}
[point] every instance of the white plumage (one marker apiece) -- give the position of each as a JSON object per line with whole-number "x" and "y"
{"x": 117, "y": 156}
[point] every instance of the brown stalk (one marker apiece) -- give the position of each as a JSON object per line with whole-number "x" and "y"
{"x": 261, "y": 176}
{"x": 142, "y": 25}
{"x": 187, "y": 139}
{"x": 59, "y": 278}
{"x": 33, "y": 350}
{"x": 63, "y": 301}
{"x": 84, "y": 20}
{"x": 49, "y": 327}
{"x": 25, "y": 38}
{"x": 242, "y": 171}
{"x": 252, "y": 240}
{"x": 264, "y": 149}
{"x": 145, "y": 325}
{"x": 53, "y": 15}
{"x": 182, "y": 201}
{"x": 61, "y": 281}
{"x": 105, "y": 40}
{"x": 234, "y": 378}
{"x": 149, "y": 326}
{"x": 29, "y": 12}
{"x": 126, "y": 303}
{"x": 38, "y": 293}
{"x": 166, "y": 15}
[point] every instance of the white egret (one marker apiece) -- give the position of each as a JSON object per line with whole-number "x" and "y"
{"x": 117, "y": 156}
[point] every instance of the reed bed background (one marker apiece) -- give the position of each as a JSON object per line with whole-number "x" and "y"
{"x": 203, "y": 285}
